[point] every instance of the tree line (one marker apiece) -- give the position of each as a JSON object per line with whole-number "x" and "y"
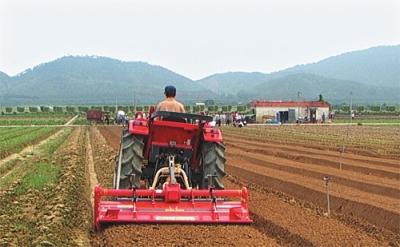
{"x": 213, "y": 108}
{"x": 114, "y": 109}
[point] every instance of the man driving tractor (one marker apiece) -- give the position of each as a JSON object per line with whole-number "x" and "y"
{"x": 170, "y": 103}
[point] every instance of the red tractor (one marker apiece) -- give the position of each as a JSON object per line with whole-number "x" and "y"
{"x": 170, "y": 168}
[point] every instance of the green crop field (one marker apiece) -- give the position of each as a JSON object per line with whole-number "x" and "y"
{"x": 20, "y": 137}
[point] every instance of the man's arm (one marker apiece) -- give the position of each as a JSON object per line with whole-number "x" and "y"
{"x": 180, "y": 106}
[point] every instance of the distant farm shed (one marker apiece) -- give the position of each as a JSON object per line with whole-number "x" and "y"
{"x": 289, "y": 111}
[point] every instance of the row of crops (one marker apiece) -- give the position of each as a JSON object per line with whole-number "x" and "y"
{"x": 35, "y": 119}
{"x": 49, "y": 121}
{"x": 42, "y": 119}
{"x": 27, "y": 130}
{"x": 14, "y": 140}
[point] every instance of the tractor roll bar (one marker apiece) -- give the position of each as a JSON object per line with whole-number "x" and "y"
{"x": 181, "y": 115}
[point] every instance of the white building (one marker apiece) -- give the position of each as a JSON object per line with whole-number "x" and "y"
{"x": 290, "y": 111}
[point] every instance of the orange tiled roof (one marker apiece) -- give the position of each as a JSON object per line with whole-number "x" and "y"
{"x": 289, "y": 104}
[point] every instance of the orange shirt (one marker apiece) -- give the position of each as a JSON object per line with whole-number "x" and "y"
{"x": 170, "y": 104}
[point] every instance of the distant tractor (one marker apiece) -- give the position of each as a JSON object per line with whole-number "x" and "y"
{"x": 121, "y": 118}
{"x": 97, "y": 116}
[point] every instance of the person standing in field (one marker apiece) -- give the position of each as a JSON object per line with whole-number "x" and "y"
{"x": 228, "y": 119}
{"x": 222, "y": 117}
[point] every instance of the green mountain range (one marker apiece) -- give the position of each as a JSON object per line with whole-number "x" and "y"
{"x": 369, "y": 76}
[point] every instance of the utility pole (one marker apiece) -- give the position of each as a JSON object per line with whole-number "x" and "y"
{"x": 134, "y": 98}
{"x": 351, "y": 105}
{"x": 348, "y": 129}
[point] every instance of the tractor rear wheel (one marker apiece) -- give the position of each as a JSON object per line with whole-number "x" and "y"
{"x": 130, "y": 162}
{"x": 213, "y": 162}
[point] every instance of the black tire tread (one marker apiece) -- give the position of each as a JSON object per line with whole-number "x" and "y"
{"x": 132, "y": 157}
{"x": 213, "y": 162}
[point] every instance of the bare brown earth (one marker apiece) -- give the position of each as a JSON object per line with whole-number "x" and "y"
{"x": 288, "y": 200}
{"x": 287, "y": 197}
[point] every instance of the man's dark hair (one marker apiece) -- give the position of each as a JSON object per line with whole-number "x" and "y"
{"x": 170, "y": 91}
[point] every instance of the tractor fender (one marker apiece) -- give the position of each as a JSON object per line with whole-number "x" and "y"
{"x": 138, "y": 126}
{"x": 212, "y": 135}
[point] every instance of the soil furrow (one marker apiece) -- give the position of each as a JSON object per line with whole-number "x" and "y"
{"x": 311, "y": 173}
{"x": 378, "y": 216}
{"x": 315, "y": 183}
{"x": 301, "y": 218}
{"x": 366, "y": 140}
{"x": 304, "y": 154}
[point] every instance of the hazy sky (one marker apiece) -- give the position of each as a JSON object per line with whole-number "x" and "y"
{"x": 194, "y": 38}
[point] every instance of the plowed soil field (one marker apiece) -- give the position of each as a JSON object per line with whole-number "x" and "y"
{"x": 282, "y": 166}
{"x": 288, "y": 193}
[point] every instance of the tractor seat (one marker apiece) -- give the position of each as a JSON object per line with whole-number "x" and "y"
{"x": 174, "y": 119}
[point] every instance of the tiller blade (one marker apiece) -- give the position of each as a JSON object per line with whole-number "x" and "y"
{"x": 170, "y": 205}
